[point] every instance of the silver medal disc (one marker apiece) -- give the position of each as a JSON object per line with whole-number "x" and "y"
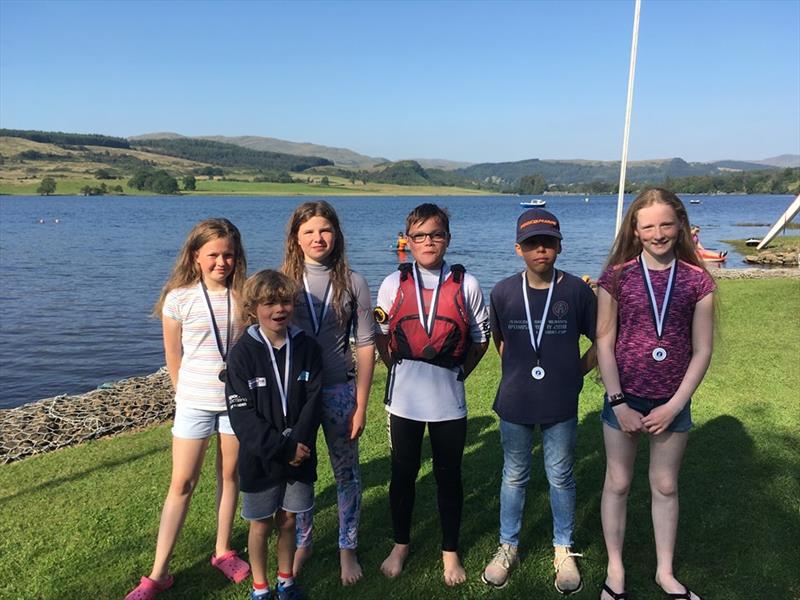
{"x": 659, "y": 354}
{"x": 537, "y": 373}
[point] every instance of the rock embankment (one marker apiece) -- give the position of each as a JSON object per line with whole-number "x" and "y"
{"x": 65, "y": 420}
{"x": 788, "y": 258}
{"x": 754, "y": 273}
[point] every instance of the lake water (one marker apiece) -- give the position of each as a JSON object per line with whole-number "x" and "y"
{"x": 77, "y": 294}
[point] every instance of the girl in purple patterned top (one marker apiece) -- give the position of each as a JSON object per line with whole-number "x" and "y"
{"x": 654, "y": 339}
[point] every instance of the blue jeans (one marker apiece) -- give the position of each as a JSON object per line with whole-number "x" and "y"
{"x": 558, "y": 444}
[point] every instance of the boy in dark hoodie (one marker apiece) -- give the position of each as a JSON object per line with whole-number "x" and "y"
{"x": 273, "y": 388}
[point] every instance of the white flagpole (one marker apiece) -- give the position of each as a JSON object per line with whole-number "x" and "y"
{"x": 628, "y": 107}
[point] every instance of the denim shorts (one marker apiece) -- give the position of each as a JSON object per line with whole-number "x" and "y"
{"x": 198, "y": 424}
{"x": 291, "y": 497}
{"x": 681, "y": 423}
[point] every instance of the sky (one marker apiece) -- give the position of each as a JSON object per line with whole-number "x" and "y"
{"x": 466, "y": 81}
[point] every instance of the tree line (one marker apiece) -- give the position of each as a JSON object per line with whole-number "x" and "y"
{"x": 229, "y": 155}
{"x": 68, "y": 139}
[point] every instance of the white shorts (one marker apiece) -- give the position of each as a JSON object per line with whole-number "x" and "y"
{"x": 198, "y": 424}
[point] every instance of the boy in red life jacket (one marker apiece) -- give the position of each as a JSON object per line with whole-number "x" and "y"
{"x": 434, "y": 329}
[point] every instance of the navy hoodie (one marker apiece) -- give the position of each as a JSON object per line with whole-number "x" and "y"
{"x": 267, "y": 439}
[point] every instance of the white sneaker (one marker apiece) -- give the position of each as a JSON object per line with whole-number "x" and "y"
{"x": 497, "y": 571}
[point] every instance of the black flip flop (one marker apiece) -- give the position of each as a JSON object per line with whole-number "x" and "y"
{"x": 686, "y": 594}
{"x": 613, "y": 594}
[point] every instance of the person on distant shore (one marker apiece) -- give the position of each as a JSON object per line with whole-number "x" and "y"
{"x": 273, "y": 388}
{"x": 333, "y": 305}
{"x": 654, "y": 342}
{"x": 537, "y": 319}
{"x": 433, "y": 332}
{"x": 700, "y": 249}
{"x": 198, "y": 305}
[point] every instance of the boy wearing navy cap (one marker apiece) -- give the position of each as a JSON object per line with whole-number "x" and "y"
{"x": 537, "y": 318}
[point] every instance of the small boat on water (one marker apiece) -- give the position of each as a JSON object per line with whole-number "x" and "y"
{"x": 695, "y": 201}
{"x": 712, "y": 255}
{"x": 535, "y": 203}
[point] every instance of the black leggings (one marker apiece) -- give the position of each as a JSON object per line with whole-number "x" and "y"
{"x": 447, "y": 446}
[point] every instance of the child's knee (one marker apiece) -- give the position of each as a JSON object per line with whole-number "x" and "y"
{"x": 287, "y": 521}
{"x": 261, "y": 527}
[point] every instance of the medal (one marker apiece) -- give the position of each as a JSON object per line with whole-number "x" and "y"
{"x": 536, "y": 336}
{"x": 659, "y": 317}
{"x": 427, "y": 321}
{"x": 215, "y": 329}
{"x": 537, "y": 373}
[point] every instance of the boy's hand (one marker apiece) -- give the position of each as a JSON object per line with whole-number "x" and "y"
{"x": 301, "y": 453}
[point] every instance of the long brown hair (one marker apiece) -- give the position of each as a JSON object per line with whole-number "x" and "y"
{"x": 294, "y": 260}
{"x": 627, "y": 245}
{"x": 186, "y": 272}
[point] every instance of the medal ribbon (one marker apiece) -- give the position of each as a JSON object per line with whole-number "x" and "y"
{"x": 283, "y": 387}
{"x": 214, "y": 327}
{"x": 427, "y": 323}
{"x": 536, "y": 338}
{"x": 659, "y": 318}
{"x": 326, "y": 300}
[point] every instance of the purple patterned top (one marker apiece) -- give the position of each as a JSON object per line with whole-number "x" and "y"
{"x": 639, "y": 374}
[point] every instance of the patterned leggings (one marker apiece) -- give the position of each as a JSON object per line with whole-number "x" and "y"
{"x": 338, "y": 405}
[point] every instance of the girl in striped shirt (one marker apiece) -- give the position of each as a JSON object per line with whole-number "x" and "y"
{"x": 198, "y": 306}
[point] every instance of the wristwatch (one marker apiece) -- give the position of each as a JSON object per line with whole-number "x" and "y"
{"x": 616, "y": 399}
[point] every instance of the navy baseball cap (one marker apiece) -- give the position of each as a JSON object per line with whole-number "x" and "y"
{"x": 536, "y": 221}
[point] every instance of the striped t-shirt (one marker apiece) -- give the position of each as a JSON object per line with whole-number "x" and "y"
{"x": 199, "y": 385}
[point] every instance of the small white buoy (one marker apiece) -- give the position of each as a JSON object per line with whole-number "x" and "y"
{"x": 41, "y": 221}
{"x": 56, "y": 221}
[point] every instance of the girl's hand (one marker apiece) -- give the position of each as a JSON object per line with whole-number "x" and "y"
{"x": 630, "y": 421}
{"x": 357, "y": 423}
{"x": 660, "y": 418}
{"x": 301, "y": 453}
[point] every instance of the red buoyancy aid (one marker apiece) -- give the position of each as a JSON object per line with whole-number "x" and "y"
{"x": 448, "y": 342}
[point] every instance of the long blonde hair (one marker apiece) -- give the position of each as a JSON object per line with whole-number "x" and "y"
{"x": 627, "y": 245}
{"x": 186, "y": 272}
{"x": 294, "y": 260}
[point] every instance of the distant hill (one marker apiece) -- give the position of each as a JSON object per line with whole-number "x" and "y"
{"x": 226, "y": 155}
{"x": 441, "y": 163}
{"x": 782, "y": 161}
{"x": 341, "y": 157}
{"x": 563, "y": 172}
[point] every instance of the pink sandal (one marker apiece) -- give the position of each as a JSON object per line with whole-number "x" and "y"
{"x": 148, "y": 588}
{"x": 233, "y": 567}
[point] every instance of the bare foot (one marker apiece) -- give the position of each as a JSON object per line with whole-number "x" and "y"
{"x": 301, "y": 555}
{"x": 393, "y": 565}
{"x": 670, "y": 585}
{"x": 454, "y": 573}
{"x": 351, "y": 570}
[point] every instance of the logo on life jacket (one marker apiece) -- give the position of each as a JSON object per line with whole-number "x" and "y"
{"x": 446, "y": 344}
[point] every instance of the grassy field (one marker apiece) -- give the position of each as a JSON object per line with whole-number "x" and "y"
{"x": 781, "y": 243}
{"x": 81, "y": 522}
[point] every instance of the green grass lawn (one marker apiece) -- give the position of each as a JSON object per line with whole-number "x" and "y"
{"x": 781, "y": 243}
{"x": 82, "y": 522}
